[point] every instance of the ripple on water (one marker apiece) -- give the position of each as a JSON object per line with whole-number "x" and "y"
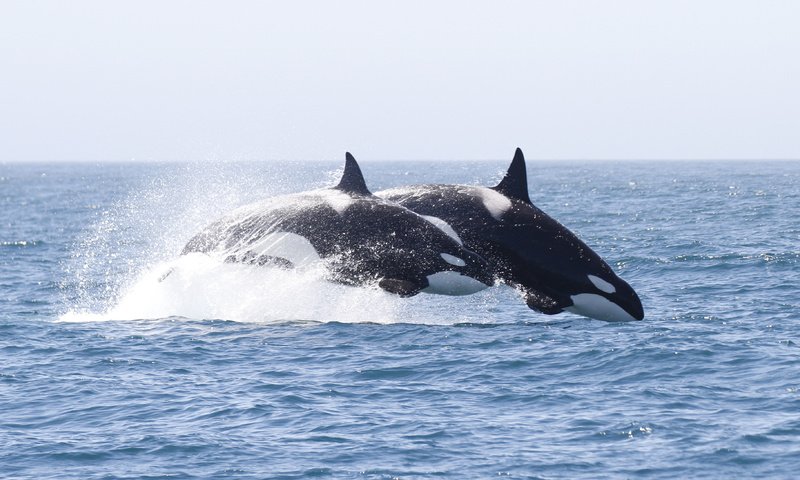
{"x": 336, "y": 384}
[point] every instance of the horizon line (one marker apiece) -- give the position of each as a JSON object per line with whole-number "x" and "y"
{"x": 475, "y": 160}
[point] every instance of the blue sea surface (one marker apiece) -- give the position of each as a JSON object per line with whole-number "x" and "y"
{"x": 241, "y": 375}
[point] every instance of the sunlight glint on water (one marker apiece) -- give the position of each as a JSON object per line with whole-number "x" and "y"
{"x": 379, "y": 387}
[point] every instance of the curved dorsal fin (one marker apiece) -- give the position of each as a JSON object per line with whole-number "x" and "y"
{"x": 515, "y": 183}
{"x": 352, "y": 179}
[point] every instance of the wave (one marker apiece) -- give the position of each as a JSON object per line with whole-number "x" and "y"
{"x": 765, "y": 257}
{"x": 22, "y": 243}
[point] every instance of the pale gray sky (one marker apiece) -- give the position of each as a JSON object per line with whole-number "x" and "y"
{"x": 247, "y": 80}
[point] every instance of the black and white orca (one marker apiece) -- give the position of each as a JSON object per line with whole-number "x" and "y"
{"x": 526, "y": 248}
{"x": 360, "y": 239}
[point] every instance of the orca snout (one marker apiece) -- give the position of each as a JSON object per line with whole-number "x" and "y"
{"x": 477, "y": 267}
{"x": 629, "y": 301}
{"x": 609, "y": 299}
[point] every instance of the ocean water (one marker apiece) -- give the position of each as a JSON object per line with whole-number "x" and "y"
{"x": 234, "y": 372}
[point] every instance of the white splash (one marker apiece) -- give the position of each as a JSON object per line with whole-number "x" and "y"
{"x": 198, "y": 286}
{"x": 120, "y": 267}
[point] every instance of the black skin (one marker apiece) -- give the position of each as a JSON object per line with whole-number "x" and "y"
{"x": 525, "y": 248}
{"x": 371, "y": 241}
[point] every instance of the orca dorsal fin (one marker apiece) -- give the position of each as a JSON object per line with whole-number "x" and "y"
{"x": 515, "y": 182}
{"x": 352, "y": 179}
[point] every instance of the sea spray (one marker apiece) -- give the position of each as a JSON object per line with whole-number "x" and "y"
{"x": 116, "y": 264}
{"x": 200, "y": 287}
{"x": 197, "y": 286}
{"x": 155, "y": 215}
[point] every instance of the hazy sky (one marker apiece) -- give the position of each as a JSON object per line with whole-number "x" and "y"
{"x": 246, "y": 80}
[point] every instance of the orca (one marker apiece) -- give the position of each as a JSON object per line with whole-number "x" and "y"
{"x": 359, "y": 238}
{"x": 526, "y": 248}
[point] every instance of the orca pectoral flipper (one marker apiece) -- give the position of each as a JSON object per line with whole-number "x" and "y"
{"x": 541, "y": 302}
{"x": 404, "y": 288}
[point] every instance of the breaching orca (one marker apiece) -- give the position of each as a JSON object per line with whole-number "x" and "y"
{"x": 526, "y": 248}
{"x": 359, "y": 238}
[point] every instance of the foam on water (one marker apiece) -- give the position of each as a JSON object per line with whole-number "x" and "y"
{"x": 117, "y": 262}
{"x": 197, "y": 286}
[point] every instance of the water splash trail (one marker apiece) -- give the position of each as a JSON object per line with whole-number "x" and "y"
{"x": 200, "y": 287}
{"x": 120, "y": 264}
